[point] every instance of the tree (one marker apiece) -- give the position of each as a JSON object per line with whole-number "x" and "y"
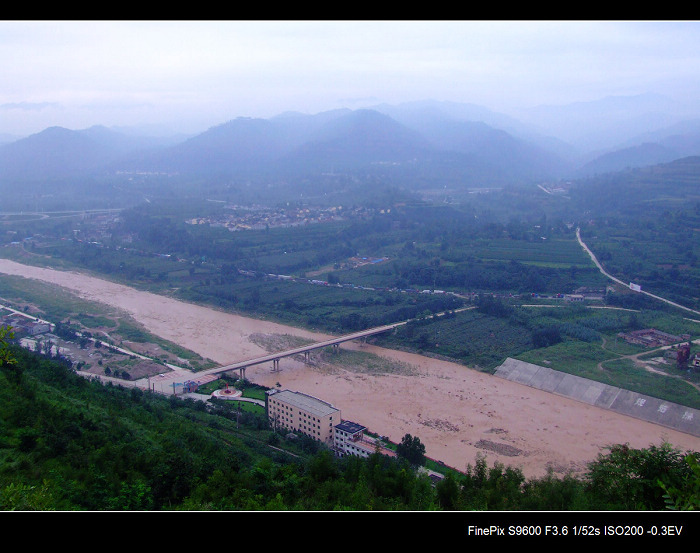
{"x": 636, "y": 479}
{"x": 411, "y": 449}
{"x": 545, "y": 337}
{"x": 8, "y": 362}
{"x": 448, "y": 492}
{"x": 23, "y": 497}
{"x": 686, "y": 495}
{"x": 6, "y": 357}
{"x": 322, "y": 467}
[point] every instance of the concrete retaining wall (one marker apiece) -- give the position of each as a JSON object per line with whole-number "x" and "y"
{"x": 640, "y": 406}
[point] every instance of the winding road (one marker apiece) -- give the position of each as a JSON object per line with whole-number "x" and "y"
{"x": 633, "y": 357}
{"x": 611, "y": 277}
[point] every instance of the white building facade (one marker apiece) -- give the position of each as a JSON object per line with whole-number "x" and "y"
{"x": 302, "y": 413}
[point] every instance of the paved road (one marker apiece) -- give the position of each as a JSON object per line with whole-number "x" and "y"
{"x": 611, "y": 277}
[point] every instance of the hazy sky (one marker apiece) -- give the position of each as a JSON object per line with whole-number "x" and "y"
{"x": 192, "y": 75}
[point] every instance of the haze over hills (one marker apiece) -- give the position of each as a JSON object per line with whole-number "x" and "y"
{"x": 57, "y": 152}
{"x": 434, "y": 141}
{"x": 606, "y": 123}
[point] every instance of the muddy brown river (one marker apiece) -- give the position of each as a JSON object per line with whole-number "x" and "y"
{"x": 458, "y": 413}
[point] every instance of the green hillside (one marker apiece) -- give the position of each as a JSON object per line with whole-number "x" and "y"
{"x": 70, "y": 444}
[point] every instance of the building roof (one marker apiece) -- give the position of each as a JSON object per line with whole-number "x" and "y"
{"x": 349, "y": 426}
{"x": 308, "y": 403}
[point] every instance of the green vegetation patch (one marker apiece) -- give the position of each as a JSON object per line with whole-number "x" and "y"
{"x": 362, "y": 362}
{"x": 70, "y": 444}
{"x": 570, "y": 356}
{"x": 626, "y": 374}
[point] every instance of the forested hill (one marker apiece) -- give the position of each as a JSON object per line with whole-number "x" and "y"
{"x": 293, "y": 146}
{"x": 643, "y": 226}
{"x": 70, "y": 444}
{"x": 641, "y": 192}
{"x": 416, "y": 146}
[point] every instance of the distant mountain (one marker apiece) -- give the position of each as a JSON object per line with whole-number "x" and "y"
{"x": 365, "y": 140}
{"x": 243, "y": 143}
{"x": 655, "y": 188}
{"x": 661, "y": 146}
{"x": 243, "y": 146}
{"x": 475, "y": 129}
{"x": 607, "y": 123}
{"x": 58, "y": 153}
{"x": 156, "y": 134}
{"x": 416, "y": 114}
{"x": 627, "y": 158}
{"x": 416, "y": 144}
{"x": 53, "y": 152}
{"x": 358, "y": 139}
{"x": 492, "y": 146}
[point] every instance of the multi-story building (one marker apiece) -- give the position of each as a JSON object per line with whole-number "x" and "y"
{"x": 302, "y": 413}
{"x": 348, "y": 439}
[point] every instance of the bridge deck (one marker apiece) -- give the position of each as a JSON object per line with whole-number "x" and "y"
{"x": 303, "y": 349}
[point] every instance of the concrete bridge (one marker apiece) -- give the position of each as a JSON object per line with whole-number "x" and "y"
{"x": 306, "y": 350}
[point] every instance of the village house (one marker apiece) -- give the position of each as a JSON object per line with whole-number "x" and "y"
{"x": 22, "y": 326}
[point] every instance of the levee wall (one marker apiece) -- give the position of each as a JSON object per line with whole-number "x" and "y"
{"x": 640, "y": 406}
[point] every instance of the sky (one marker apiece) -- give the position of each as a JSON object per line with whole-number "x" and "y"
{"x": 192, "y": 75}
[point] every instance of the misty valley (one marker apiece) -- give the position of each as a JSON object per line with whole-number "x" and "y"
{"x": 462, "y": 226}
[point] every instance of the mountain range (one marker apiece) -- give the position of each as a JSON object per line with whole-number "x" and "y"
{"x": 416, "y": 142}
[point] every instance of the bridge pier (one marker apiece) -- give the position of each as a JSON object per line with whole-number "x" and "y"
{"x": 306, "y": 356}
{"x": 275, "y": 365}
{"x": 335, "y": 348}
{"x": 241, "y": 372}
